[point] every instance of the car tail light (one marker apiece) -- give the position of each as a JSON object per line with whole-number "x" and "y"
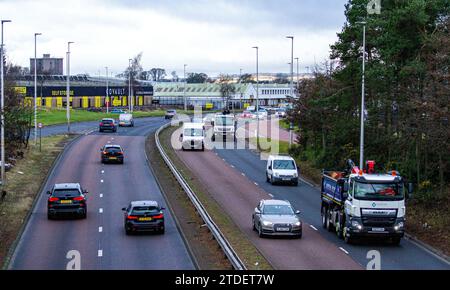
{"x": 104, "y": 152}
{"x": 53, "y": 199}
{"x": 160, "y": 216}
{"x": 79, "y": 198}
{"x": 120, "y": 153}
{"x": 132, "y": 217}
{"x": 101, "y": 123}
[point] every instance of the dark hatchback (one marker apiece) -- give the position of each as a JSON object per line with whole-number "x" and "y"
{"x": 112, "y": 153}
{"x": 67, "y": 199}
{"x": 144, "y": 216}
{"x": 107, "y": 125}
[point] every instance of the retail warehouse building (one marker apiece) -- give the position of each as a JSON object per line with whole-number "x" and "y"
{"x": 90, "y": 92}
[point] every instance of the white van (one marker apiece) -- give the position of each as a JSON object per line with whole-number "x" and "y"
{"x": 126, "y": 120}
{"x": 281, "y": 169}
{"x": 193, "y": 136}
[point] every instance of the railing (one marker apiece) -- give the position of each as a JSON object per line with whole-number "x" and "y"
{"x": 218, "y": 235}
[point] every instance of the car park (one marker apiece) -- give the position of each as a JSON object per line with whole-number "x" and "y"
{"x": 193, "y": 136}
{"x": 170, "y": 114}
{"x": 126, "y": 120}
{"x": 281, "y": 169}
{"x": 276, "y": 217}
{"x": 112, "y": 153}
{"x": 108, "y": 124}
{"x": 144, "y": 216}
{"x": 67, "y": 199}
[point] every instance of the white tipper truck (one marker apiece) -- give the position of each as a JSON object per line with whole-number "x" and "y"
{"x": 361, "y": 203}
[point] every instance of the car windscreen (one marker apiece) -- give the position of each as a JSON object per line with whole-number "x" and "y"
{"x": 170, "y": 112}
{"x": 66, "y": 192}
{"x": 141, "y": 210}
{"x": 278, "y": 210}
{"x": 224, "y": 121}
{"x": 378, "y": 191}
{"x": 193, "y": 132}
{"x": 113, "y": 150}
{"x": 284, "y": 164}
{"x": 107, "y": 121}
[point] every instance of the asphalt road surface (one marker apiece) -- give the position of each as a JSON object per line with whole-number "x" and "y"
{"x": 306, "y": 198}
{"x": 238, "y": 196}
{"x": 100, "y": 239}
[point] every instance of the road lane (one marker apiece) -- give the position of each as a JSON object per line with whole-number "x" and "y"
{"x": 238, "y": 197}
{"x": 307, "y": 198}
{"x": 44, "y": 244}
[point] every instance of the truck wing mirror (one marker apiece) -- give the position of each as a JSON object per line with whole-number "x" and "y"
{"x": 345, "y": 195}
{"x": 346, "y": 186}
{"x": 48, "y": 192}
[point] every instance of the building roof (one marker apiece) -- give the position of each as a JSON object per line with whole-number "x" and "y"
{"x": 76, "y": 80}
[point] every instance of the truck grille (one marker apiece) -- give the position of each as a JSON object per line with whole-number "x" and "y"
{"x": 378, "y": 221}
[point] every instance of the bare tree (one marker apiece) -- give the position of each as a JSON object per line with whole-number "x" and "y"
{"x": 227, "y": 89}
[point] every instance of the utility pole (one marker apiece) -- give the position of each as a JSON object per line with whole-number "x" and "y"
{"x": 68, "y": 86}
{"x": 257, "y": 96}
{"x": 361, "y": 148}
{"x": 2, "y": 90}
{"x": 298, "y": 76}
{"x": 129, "y": 84}
{"x": 184, "y": 88}
{"x": 107, "y": 91}
{"x": 292, "y": 65}
{"x": 35, "y": 88}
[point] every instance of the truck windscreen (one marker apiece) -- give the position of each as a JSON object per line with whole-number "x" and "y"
{"x": 378, "y": 191}
{"x": 224, "y": 121}
{"x": 193, "y": 132}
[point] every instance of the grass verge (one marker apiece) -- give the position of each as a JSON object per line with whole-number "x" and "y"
{"x": 242, "y": 245}
{"x": 23, "y": 183}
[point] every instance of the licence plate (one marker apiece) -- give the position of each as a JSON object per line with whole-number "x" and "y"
{"x": 377, "y": 229}
{"x": 145, "y": 219}
{"x": 286, "y": 179}
{"x": 113, "y": 158}
{"x": 66, "y": 201}
{"x": 283, "y": 229}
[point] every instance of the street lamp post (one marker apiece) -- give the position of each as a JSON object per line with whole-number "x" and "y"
{"x": 361, "y": 148}
{"x": 297, "y": 74}
{"x": 2, "y": 89}
{"x": 129, "y": 84}
{"x": 35, "y": 88}
{"x": 68, "y": 86}
{"x": 292, "y": 65}
{"x": 257, "y": 95}
{"x": 184, "y": 88}
{"x": 107, "y": 91}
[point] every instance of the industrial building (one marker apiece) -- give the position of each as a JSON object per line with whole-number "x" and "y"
{"x": 47, "y": 65}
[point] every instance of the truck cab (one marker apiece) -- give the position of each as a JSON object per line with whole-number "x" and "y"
{"x": 193, "y": 136}
{"x": 362, "y": 204}
{"x": 224, "y": 126}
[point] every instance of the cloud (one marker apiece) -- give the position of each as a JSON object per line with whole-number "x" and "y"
{"x": 209, "y": 36}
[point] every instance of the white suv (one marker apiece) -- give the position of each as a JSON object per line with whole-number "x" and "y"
{"x": 281, "y": 169}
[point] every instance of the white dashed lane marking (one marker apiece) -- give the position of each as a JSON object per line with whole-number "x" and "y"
{"x": 100, "y": 253}
{"x": 100, "y": 229}
{"x": 101, "y": 180}
{"x": 103, "y": 171}
{"x": 101, "y": 194}
{"x": 256, "y": 183}
{"x": 243, "y": 174}
{"x": 343, "y": 250}
{"x": 313, "y": 227}
{"x": 100, "y": 210}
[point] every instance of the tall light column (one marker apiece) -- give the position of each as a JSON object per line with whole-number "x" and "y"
{"x": 2, "y": 92}
{"x": 292, "y": 65}
{"x": 107, "y": 91}
{"x": 361, "y": 146}
{"x": 184, "y": 88}
{"x": 68, "y": 86}
{"x": 257, "y": 95}
{"x": 129, "y": 84}
{"x": 297, "y": 74}
{"x": 35, "y": 88}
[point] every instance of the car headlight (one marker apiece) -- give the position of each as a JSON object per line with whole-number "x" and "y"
{"x": 399, "y": 226}
{"x": 295, "y": 174}
{"x": 357, "y": 225}
{"x": 276, "y": 174}
{"x": 267, "y": 223}
{"x": 297, "y": 224}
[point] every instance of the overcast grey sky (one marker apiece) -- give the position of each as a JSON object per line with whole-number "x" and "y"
{"x": 212, "y": 36}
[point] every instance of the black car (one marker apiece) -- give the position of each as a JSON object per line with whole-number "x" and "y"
{"x": 112, "y": 153}
{"x": 170, "y": 114}
{"x": 107, "y": 125}
{"x": 143, "y": 216}
{"x": 67, "y": 199}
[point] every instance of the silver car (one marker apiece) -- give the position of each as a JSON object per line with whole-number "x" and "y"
{"x": 276, "y": 217}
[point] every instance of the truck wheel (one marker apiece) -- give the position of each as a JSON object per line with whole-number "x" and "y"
{"x": 267, "y": 178}
{"x": 324, "y": 217}
{"x": 213, "y": 138}
{"x": 347, "y": 238}
{"x": 338, "y": 227}
{"x": 329, "y": 226}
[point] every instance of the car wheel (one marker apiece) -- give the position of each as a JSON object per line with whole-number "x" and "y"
{"x": 253, "y": 224}
{"x": 271, "y": 180}
{"x": 396, "y": 241}
{"x": 84, "y": 215}
{"x": 49, "y": 216}
{"x": 260, "y": 233}
{"x": 162, "y": 231}
{"x": 203, "y": 147}
{"x": 267, "y": 178}
{"x": 299, "y": 236}
{"x": 295, "y": 183}
{"x": 127, "y": 232}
